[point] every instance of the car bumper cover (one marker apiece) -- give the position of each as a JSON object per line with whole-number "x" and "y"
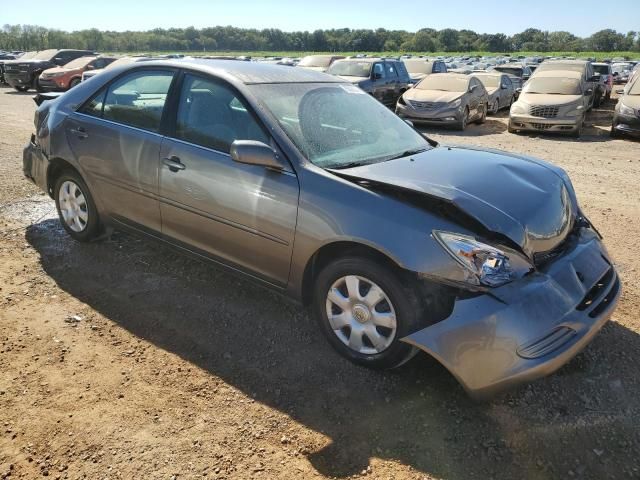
{"x": 529, "y": 328}
{"x": 540, "y": 124}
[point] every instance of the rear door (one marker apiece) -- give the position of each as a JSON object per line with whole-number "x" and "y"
{"x": 115, "y": 138}
{"x": 241, "y": 215}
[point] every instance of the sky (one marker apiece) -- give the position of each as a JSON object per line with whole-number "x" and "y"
{"x": 580, "y": 17}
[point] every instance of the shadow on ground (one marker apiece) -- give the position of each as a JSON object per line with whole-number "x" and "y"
{"x": 417, "y": 415}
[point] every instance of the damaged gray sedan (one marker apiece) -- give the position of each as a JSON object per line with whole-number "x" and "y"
{"x": 306, "y": 184}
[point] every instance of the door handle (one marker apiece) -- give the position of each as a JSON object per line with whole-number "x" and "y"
{"x": 173, "y": 163}
{"x": 79, "y": 132}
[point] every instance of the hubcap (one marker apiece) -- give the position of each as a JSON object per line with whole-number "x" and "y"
{"x": 361, "y": 315}
{"x": 73, "y": 206}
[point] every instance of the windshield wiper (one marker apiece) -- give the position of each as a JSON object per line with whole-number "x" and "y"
{"x": 407, "y": 153}
{"x": 341, "y": 166}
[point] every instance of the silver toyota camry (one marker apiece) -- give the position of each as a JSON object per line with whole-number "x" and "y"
{"x": 306, "y": 184}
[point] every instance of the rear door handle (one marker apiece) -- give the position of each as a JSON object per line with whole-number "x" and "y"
{"x": 173, "y": 163}
{"x": 79, "y": 132}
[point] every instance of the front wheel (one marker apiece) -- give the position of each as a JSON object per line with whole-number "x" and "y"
{"x": 462, "y": 123}
{"x": 364, "y": 310}
{"x": 483, "y": 114}
{"x": 76, "y": 208}
{"x": 21, "y": 88}
{"x": 73, "y": 83}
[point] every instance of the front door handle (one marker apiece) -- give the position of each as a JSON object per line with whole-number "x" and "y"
{"x": 173, "y": 163}
{"x": 79, "y": 132}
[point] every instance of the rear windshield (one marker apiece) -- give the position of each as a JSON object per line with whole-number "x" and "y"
{"x": 315, "y": 61}
{"x": 417, "y": 66}
{"x": 553, "y": 86}
{"x": 444, "y": 83}
{"x": 601, "y": 69}
{"x": 490, "y": 81}
{"x": 350, "y": 69}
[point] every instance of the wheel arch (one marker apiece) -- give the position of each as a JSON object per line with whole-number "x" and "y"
{"x": 333, "y": 251}
{"x": 56, "y": 166}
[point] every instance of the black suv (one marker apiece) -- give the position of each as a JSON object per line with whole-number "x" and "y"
{"x": 23, "y": 74}
{"x": 385, "y": 79}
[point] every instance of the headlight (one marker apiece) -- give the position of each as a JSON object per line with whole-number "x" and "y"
{"x": 624, "y": 110}
{"x": 518, "y": 108}
{"x": 483, "y": 264}
{"x": 457, "y": 103}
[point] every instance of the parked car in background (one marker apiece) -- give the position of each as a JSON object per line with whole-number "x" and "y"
{"x": 22, "y": 74}
{"x": 605, "y": 85}
{"x": 588, "y": 77}
{"x": 551, "y": 101}
{"x": 451, "y": 99}
{"x": 518, "y": 73}
{"x": 626, "y": 117}
{"x": 68, "y": 76}
{"x": 419, "y": 68}
{"x": 621, "y": 72}
{"x": 500, "y": 90}
{"x": 319, "y": 63}
{"x": 384, "y": 79}
{"x": 20, "y": 56}
{"x": 401, "y": 245}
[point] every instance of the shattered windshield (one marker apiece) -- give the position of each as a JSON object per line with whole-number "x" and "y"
{"x": 339, "y": 125}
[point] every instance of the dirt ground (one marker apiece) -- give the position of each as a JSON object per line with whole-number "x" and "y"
{"x": 121, "y": 359}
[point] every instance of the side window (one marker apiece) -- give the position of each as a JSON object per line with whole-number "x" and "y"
{"x": 138, "y": 99}
{"x": 213, "y": 116}
{"x": 378, "y": 70}
{"x": 391, "y": 70}
{"x": 506, "y": 81}
{"x": 95, "y": 105}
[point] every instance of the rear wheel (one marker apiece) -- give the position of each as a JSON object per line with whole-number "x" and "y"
{"x": 21, "y": 88}
{"x": 483, "y": 114}
{"x": 364, "y": 310}
{"x": 76, "y": 208}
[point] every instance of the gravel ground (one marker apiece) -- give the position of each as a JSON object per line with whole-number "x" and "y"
{"x": 121, "y": 359}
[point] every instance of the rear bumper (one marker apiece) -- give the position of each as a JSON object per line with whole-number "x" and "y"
{"x": 35, "y": 164}
{"x": 540, "y": 124}
{"x": 529, "y": 328}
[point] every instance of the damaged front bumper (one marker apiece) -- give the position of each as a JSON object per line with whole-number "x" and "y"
{"x": 529, "y": 328}
{"x": 529, "y": 123}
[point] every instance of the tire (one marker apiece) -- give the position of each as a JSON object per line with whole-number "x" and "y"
{"x": 496, "y": 108}
{"x": 21, "y": 88}
{"x": 462, "y": 124}
{"x": 510, "y": 128}
{"x": 36, "y": 85}
{"x": 76, "y": 208}
{"x": 483, "y": 116}
{"x": 578, "y": 132}
{"x": 397, "y": 306}
{"x": 613, "y": 133}
{"x": 73, "y": 83}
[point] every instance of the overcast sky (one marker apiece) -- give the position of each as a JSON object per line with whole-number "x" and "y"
{"x": 581, "y": 17}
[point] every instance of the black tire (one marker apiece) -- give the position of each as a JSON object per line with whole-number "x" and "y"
{"x": 613, "y": 133}
{"x": 510, "y": 128}
{"x": 21, "y": 88}
{"x": 494, "y": 111}
{"x": 92, "y": 227}
{"x": 404, "y": 300}
{"x": 462, "y": 124}
{"x": 36, "y": 85}
{"x": 73, "y": 83}
{"x": 483, "y": 115}
{"x": 578, "y": 132}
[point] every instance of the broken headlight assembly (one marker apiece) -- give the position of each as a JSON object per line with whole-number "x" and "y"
{"x": 482, "y": 264}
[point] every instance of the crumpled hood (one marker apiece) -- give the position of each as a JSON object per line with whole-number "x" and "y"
{"x": 524, "y": 199}
{"x": 431, "y": 95}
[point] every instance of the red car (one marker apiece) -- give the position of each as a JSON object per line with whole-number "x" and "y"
{"x": 69, "y": 75}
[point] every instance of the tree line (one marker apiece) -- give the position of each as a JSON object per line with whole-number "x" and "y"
{"x": 32, "y": 37}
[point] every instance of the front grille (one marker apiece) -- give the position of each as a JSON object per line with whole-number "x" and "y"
{"x": 543, "y": 111}
{"x": 541, "y": 126}
{"x": 426, "y": 105}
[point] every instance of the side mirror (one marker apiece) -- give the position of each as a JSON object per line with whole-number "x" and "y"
{"x": 252, "y": 152}
{"x": 377, "y": 75}
{"x": 504, "y": 86}
{"x": 588, "y": 91}
{"x": 519, "y": 90}
{"x": 58, "y": 61}
{"x": 472, "y": 88}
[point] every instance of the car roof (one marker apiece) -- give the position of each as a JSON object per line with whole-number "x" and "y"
{"x": 248, "y": 72}
{"x": 558, "y": 74}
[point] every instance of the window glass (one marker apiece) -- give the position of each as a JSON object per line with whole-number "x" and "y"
{"x": 94, "y": 107}
{"x": 212, "y": 115}
{"x": 391, "y": 70}
{"x": 138, "y": 99}
{"x": 378, "y": 69}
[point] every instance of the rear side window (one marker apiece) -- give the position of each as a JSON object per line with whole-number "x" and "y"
{"x": 212, "y": 115}
{"x": 391, "y": 70}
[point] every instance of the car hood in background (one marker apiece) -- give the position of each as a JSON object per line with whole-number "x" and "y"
{"x": 57, "y": 70}
{"x": 524, "y": 199}
{"x": 632, "y": 101}
{"x": 548, "y": 100}
{"x": 351, "y": 79}
{"x": 316, "y": 69}
{"x": 432, "y": 95}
